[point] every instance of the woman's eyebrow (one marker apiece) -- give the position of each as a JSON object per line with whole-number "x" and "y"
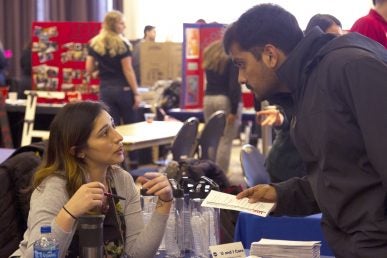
{"x": 103, "y": 128}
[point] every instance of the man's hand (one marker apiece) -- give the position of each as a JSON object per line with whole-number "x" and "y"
{"x": 270, "y": 117}
{"x": 259, "y": 193}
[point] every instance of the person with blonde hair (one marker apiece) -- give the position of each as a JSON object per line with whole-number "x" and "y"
{"x": 222, "y": 92}
{"x": 110, "y": 53}
{"x": 78, "y": 174}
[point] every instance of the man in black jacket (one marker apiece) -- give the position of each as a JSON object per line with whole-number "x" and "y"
{"x": 339, "y": 87}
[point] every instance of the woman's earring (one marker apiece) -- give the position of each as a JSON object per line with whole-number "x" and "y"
{"x": 82, "y": 155}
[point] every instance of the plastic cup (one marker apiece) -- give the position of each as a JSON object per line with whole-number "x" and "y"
{"x": 12, "y": 96}
{"x": 149, "y": 117}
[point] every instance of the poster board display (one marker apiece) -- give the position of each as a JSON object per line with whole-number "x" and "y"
{"x": 59, "y": 51}
{"x": 196, "y": 38}
{"x": 159, "y": 61}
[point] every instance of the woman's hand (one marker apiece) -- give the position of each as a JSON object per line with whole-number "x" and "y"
{"x": 259, "y": 193}
{"x": 270, "y": 117}
{"x": 158, "y": 184}
{"x": 86, "y": 198}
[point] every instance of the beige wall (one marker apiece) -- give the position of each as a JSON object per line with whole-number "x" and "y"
{"x": 131, "y": 12}
{"x": 169, "y": 15}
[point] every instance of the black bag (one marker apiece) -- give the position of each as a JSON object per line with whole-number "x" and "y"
{"x": 15, "y": 192}
{"x": 171, "y": 96}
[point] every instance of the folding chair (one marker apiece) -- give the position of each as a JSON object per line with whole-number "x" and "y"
{"x": 253, "y": 166}
{"x": 183, "y": 145}
{"x": 29, "y": 117}
{"x": 210, "y": 136}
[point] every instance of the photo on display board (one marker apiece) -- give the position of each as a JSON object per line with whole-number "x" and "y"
{"x": 192, "y": 97}
{"x": 192, "y": 42}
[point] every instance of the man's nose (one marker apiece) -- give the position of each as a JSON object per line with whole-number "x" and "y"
{"x": 241, "y": 78}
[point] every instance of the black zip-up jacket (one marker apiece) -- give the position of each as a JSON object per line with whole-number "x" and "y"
{"x": 340, "y": 89}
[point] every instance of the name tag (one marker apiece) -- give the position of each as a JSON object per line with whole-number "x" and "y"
{"x": 232, "y": 250}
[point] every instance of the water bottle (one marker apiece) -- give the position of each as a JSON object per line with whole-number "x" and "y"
{"x": 188, "y": 186}
{"x": 90, "y": 228}
{"x": 212, "y": 215}
{"x": 148, "y": 205}
{"x": 46, "y": 246}
{"x": 174, "y": 232}
{"x": 204, "y": 221}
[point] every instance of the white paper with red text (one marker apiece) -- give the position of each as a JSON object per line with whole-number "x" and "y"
{"x": 227, "y": 201}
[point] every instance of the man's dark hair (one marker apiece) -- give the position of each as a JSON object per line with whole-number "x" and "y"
{"x": 324, "y": 21}
{"x": 265, "y": 24}
{"x": 229, "y": 37}
{"x": 148, "y": 28}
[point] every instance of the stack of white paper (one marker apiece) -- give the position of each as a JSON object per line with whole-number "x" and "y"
{"x": 269, "y": 248}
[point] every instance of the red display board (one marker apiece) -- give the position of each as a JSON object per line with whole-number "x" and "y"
{"x": 196, "y": 38}
{"x": 58, "y": 59}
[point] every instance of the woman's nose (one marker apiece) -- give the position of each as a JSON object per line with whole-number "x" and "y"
{"x": 118, "y": 136}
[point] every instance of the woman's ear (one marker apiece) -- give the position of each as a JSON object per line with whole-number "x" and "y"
{"x": 79, "y": 154}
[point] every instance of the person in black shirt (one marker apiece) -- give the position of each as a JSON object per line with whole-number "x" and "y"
{"x": 223, "y": 92}
{"x": 113, "y": 56}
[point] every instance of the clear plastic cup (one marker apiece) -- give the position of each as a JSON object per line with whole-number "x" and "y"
{"x": 149, "y": 117}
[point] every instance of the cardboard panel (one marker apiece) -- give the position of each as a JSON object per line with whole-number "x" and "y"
{"x": 159, "y": 61}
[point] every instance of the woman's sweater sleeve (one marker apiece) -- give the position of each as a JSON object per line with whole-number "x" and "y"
{"x": 45, "y": 204}
{"x": 141, "y": 240}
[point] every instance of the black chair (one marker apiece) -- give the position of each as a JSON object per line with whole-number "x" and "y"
{"x": 253, "y": 166}
{"x": 183, "y": 145}
{"x": 210, "y": 136}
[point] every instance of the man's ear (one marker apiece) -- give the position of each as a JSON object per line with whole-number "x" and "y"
{"x": 271, "y": 56}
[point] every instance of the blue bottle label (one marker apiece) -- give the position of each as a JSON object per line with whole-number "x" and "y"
{"x": 46, "y": 254}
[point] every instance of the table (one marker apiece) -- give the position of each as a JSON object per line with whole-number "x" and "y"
{"x": 144, "y": 135}
{"x": 251, "y": 228}
{"x": 45, "y": 113}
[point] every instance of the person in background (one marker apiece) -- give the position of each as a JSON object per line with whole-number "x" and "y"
{"x": 327, "y": 23}
{"x": 79, "y": 167}
{"x": 110, "y": 54}
{"x": 149, "y": 33}
{"x": 3, "y": 66}
{"x": 374, "y": 24}
{"x": 339, "y": 140}
{"x": 149, "y": 36}
{"x": 26, "y": 69}
{"x": 223, "y": 92}
{"x": 283, "y": 161}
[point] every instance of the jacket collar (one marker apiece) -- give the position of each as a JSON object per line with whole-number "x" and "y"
{"x": 297, "y": 65}
{"x": 314, "y": 46}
